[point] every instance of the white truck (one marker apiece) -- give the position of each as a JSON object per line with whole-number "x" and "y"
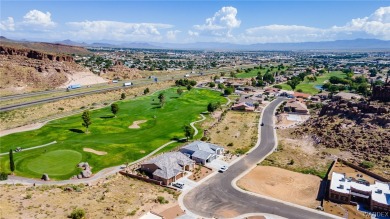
{"x": 127, "y": 84}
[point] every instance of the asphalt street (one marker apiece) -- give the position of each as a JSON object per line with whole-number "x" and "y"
{"x": 217, "y": 195}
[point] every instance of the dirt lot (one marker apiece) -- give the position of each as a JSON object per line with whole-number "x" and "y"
{"x": 237, "y": 130}
{"x": 283, "y": 184}
{"x": 301, "y": 155}
{"x": 115, "y": 197}
{"x": 342, "y": 210}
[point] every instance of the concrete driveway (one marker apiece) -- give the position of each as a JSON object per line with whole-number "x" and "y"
{"x": 217, "y": 163}
{"x": 188, "y": 184}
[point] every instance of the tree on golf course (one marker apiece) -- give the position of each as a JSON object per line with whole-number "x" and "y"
{"x": 86, "y": 119}
{"x": 114, "y": 108}
{"x": 11, "y": 161}
{"x": 179, "y": 91}
{"x": 293, "y": 82}
{"x": 161, "y": 97}
{"x": 188, "y": 131}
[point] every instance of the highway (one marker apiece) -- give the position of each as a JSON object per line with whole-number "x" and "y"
{"x": 217, "y": 195}
{"x": 59, "y": 94}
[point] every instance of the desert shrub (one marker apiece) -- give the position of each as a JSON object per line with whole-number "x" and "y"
{"x": 60, "y": 108}
{"x": 77, "y": 213}
{"x": 162, "y": 200}
{"x": 230, "y": 144}
{"x": 204, "y": 138}
{"x": 366, "y": 164}
{"x": 3, "y": 176}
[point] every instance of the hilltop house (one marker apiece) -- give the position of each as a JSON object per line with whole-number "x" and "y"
{"x": 348, "y": 189}
{"x": 202, "y": 152}
{"x": 168, "y": 167}
{"x": 295, "y": 107}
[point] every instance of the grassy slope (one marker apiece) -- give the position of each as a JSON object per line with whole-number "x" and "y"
{"x": 112, "y": 134}
{"x": 308, "y": 87}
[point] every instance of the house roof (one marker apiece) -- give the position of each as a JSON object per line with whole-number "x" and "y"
{"x": 202, "y": 155}
{"x": 298, "y": 94}
{"x": 380, "y": 191}
{"x": 202, "y": 146}
{"x": 169, "y": 164}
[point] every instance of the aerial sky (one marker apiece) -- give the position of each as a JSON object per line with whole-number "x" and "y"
{"x": 186, "y": 21}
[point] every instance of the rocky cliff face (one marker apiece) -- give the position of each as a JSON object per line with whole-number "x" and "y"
{"x": 364, "y": 112}
{"x": 33, "y": 54}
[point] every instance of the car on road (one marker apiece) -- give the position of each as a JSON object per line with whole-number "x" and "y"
{"x": 178, "y": 185}
{"x": 223, "y": 169}
{"x": 262, "y": 124}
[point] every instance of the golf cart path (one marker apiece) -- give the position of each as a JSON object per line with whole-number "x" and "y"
{"x": 40, "y": 146}
{"x": 99, "y": 175}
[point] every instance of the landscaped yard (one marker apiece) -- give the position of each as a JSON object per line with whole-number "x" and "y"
{"x": 309, "y": 87}
{"x": 107, "y": 134}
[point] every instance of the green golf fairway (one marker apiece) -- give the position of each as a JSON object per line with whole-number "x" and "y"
{"x": 107, "y": 134}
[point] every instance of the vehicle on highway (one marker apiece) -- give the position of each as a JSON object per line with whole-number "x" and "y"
{"x": 178, "y": 185}
{"x": 74, "y": 86}
{"x": 223, "y": 169}
{"x": 262, "y": 124}
{"x": 187, "y": 75}
{"x": 114, "y": 81}
{"x": 127, "y": 84}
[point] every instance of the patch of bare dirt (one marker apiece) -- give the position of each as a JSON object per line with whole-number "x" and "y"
{"x": 282, "y": 184}
{"x": 101, "y": 153}
{"x": 237, "y": 130}
{"x": 136, "y": 124}
{"x": 172, "y": 213}
{"x": 114, "y": 197}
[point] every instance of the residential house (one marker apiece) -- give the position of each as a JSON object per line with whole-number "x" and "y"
{"x": 202, "y": 152}
{"x": 348, "y": 189}
{"x": 302, "y": 95}
{"x": 168, "y": 167}
{"x": 346, "y": 96}
{"x": 243, "y": 106}
{"x": 295, "y": 107}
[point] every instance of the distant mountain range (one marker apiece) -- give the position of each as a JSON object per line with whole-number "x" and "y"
{"x": 357, "y": 45}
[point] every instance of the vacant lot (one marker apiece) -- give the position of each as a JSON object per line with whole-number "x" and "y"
{"x": 237, "y": 130}
{"x": 309, "y": 87}
{"x": 282, "y": 184}
{"x": 107, "y": 133}
{"x": 115, "y": 197}
{"x": 301, "y": 155}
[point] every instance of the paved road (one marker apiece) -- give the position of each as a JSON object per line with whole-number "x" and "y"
{"x": 217, "y": 195}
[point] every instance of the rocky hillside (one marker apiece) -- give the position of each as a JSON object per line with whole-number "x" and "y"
{"x": 29, "y": 66}
{"x": 119, "y": 71}
{"x": 360, "y": 127}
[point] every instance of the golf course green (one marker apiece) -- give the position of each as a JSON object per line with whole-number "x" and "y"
{"x": 115, "y": 136}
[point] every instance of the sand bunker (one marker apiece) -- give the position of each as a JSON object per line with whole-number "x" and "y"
{"x": 135, "y": 124}
{"x": 95, "y": 151}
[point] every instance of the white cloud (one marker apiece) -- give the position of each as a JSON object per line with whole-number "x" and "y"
{"x": 171, "y": 34}
{"x": 193, "y": 33}
{"x": 7, "y": 25}
{"x": 222, "y": 23}
{"x": 38, "y": 18}
{"x": 377, "y": 25}
{"x": 97, "y": 30}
